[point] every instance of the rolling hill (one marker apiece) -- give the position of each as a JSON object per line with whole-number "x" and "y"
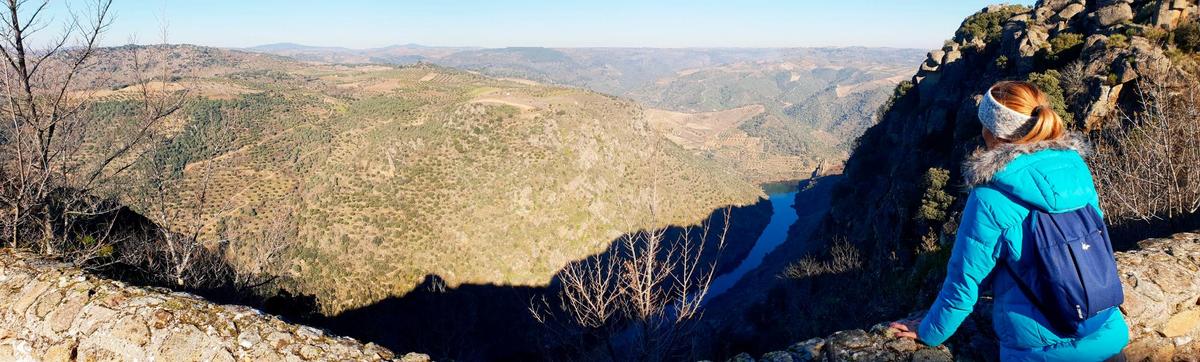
{"x": 813, "y": 100}
{"x": 382, "y": 175}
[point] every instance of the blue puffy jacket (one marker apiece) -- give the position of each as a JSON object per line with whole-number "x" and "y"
{"x": 1050, "y": 176}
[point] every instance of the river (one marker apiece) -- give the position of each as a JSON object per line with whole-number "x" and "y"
{"x": 783, "y": 215}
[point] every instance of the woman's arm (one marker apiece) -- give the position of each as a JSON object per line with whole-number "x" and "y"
{"x": 974, "y": 255}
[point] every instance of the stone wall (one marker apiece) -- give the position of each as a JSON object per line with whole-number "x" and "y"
{"x": 51, "y": 312}
{"x": 1162, "y": 304}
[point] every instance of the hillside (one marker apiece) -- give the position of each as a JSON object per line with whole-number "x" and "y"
{"x": 812, "y": 100}
{"x": 381, "y": 175}
{"x": 1121, "y": 72}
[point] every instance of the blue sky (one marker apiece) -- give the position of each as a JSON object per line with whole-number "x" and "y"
{"x": 553, "y": 23}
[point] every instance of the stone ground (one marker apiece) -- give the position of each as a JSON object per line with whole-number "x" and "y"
{"x": 52, "y": 312}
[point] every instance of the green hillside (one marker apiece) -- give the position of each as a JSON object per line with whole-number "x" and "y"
{"x": 814, "y": 100}
{"x": 382, "y": 175}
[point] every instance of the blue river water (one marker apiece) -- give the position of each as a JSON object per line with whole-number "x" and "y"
{"x": 782, "y": 218}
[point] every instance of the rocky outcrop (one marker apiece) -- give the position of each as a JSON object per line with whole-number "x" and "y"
{"x": 1171, "y": 12}
{"x": 1162, "y": 305}
{"x": 51, "y": 312}
{"x": 1162, "y": 298}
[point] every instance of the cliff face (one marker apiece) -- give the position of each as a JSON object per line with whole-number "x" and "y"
{"x": 1087, "y": 54}
{"x": 902, "y": 185}
{"x": 54, "y": 313}
{"x": 1162, "y": 304}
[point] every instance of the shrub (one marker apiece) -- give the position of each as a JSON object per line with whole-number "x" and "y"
{"x": 1064, "y": 42}
{"x": 1050, "y": 82}
{"x": 988, "y": 26}
{"x": 1187, "y": 37}
{"x": 936, "y": 200}
{"x": 1154, "y": 34}
{"x": 1002, "y": 62}
{"x": 1118, "y": 41}
{"x": 843, "y": 257}
{"x": 901, "y": 89}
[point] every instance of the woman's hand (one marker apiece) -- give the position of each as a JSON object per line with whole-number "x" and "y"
{"x": 906, "y": 328}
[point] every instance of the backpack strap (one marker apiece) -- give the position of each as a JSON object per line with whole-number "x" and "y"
{"x": 1024, "y": 288}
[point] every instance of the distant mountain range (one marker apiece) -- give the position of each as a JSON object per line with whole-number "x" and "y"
{"x": 798, "y": 107}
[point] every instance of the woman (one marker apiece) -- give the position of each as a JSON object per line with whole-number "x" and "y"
{"x": 1029, "y": 162}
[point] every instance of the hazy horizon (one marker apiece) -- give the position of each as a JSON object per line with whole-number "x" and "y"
{"x": 365, "y": 24}
{"x": 289, "y": 43}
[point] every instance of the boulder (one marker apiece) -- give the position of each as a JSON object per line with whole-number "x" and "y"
{"x": 1108, "y": 16}
{"x": 1069, "y": 12}
{"x": 1180, "y": 324}
{"x": 1171, "y": 12}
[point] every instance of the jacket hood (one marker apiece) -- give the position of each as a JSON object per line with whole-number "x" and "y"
{"x": 1049, "y": 175}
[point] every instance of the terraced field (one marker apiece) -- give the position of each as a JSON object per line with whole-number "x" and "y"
{"x": 382, "y": 175}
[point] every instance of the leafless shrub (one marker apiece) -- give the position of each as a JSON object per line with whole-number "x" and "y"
{"x": 843, "y": 257}
{"x": 1073, "y": 80}
{"x": 642, "y": 297}
{"x": 175, "y": 253}
{"x": 1148, "y": 169}
{"x": 259, "y": 257}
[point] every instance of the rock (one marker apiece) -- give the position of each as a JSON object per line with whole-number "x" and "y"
{"x": 65, "y": 314}
{"x": 132, "y": 330}
{"x": 1181, "y": 323}
{"x": 852, "y": 339}
{"x": 1106, "y": 97}
{"x": 1069, "y": 12}
{"x": 309, "y": 353}
{"x": 809, "y": 350}
{"x": 741, "y": 357}
{"x": 62, "y": 316}
{"x": 162, "y": 318}
{"x": 62, "y": 352}
{"x": 1114, "y": 14}
{"x": 415, "y": 357}
{"x": 952, "y": 56}
{"x": 932, "y": 355}
{"x": 934, "y": 58}
{"x": 902, "y": 345}
{"x": 1171, "y": 12}
{"x": 777, "y": 356}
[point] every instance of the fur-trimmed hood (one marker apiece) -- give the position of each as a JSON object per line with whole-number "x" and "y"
{"x": 984, "y": 164}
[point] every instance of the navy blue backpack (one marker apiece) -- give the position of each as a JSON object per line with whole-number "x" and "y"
{"x": 1067, "y": 267}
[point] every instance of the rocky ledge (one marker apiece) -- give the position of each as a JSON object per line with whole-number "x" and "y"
{"x": 51, "y": 312}
{"x": 1162, "y": 305}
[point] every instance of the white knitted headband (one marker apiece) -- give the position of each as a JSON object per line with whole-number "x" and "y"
{"x": 1002, "y": 121}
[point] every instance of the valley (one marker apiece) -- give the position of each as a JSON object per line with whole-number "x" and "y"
{"x": 357, "y": 192}
{"x": 362, "y": 186}
{"x": 382, "y": 175}
{"x": 770, "y": 114}
{"x": 594, "y": 199}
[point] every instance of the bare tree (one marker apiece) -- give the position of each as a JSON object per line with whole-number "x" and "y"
{"x": 1148, "y": 169}
{"x": 53, "y": 172}
{"x": 641, "y": 299}
{"x": 175, "y": 252}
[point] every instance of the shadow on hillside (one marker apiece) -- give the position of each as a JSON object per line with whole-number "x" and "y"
{"x": 472, "y": 322}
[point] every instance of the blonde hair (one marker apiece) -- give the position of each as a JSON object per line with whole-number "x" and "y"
{"x": 1027, "y": 99}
